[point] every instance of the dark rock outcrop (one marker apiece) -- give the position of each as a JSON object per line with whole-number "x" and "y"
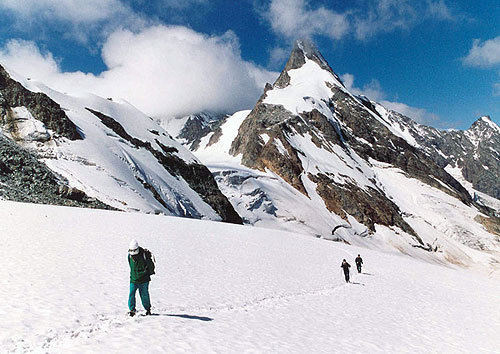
{"x": 369, "y": 206}
{"x": 199, "y": 125}
{"x": 25, "y": 179}
{"x": 41, "y": 107}
{"x": 269, "y": 120}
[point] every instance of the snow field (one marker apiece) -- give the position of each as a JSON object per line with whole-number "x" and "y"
{"x": 225, "y": 288}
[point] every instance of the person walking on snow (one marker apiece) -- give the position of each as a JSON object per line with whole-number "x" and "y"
{"x": 359, "y": 262}
{"x": 346, "y": 267}
{"x": 139, "y": 278}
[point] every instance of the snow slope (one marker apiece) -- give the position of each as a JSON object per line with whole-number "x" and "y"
{"x": 225, "y": 288}
{"x": 107, "y": 166}
{"x": 264, "y": 199}
{"x": 483, "y": 197}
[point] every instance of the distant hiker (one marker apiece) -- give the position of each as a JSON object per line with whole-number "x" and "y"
{"x": 141, "y": 267}
{"x": 359, "y": 262}
{"x": 346, "y": 267}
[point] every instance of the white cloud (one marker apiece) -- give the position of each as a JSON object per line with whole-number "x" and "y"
{"x": 164, "y": 71}
{"x": 68, "y": 10}
{"x": 171, "y": 4}
{"x": 384, "y": 16}
{"x": 25, "y": 57}
{"x": 496, "y": 89}
{"x": 80, "y": 19}
{"x": 440, "y": 10}
{"x": 374, "y": 92}
{"x": 296, "y": 18}
{"x": 364, "y": 19}
{"x": 419, "y": 115}
{"x": 277, "y": 56}
{"x": 484, "y": 54}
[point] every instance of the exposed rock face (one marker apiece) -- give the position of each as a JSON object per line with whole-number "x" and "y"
{"x": 269, "y": 120}
{"x": 41, "y": 107}
{"x": 475, "y": 151}
{"x": 199, "y": 125}
{"x": 277, "y": 135}
{"x": 197, "y": 176}
{"x": 24, "y": 179}
{"x": 386, "y": 147}
{"x": 369, "y": 206}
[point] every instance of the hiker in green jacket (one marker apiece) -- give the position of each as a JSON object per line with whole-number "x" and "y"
{"x": 139, "y": 277}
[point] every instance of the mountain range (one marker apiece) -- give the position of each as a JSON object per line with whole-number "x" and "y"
{"x": 310, "y": 157}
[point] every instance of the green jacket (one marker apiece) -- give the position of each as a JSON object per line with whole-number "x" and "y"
{"x": 138, "y": 268}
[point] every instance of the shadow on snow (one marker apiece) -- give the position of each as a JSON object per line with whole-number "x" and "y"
{"x": 183, "y": 315}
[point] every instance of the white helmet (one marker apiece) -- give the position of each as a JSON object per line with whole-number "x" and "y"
{"x": 133, "y": 247}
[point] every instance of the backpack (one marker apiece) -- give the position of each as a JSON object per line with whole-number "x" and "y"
{"x": 150, "y": 261}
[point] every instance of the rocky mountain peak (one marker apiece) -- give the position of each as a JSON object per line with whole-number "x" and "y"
{"x": 303, "y": 50}
{"x": 322, "y": 140}
{"x": 484, "y": 127}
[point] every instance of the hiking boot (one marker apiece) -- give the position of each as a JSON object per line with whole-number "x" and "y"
{"x": 131, "y": 313}
{"x": 148, "y": 312}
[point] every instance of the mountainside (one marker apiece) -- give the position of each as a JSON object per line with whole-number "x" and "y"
{"x": 473, "y": 153}
{"x": 311, "y": 156}
{"x": 109, "y": 151}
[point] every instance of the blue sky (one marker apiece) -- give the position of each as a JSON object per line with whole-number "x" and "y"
{"x": 435, "y": 60}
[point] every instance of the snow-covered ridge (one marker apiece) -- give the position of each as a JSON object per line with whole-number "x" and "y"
{"x": 308, "y": 89}
{"x": 124, "y": 158}
{"x": 474, "y": 151}
{"x": 493, "y": 125}
{"x": 107, "y": 159}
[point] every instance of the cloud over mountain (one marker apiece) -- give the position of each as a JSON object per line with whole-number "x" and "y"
{"x": 163, "y": 70}
{"x": 295, "y": 18}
